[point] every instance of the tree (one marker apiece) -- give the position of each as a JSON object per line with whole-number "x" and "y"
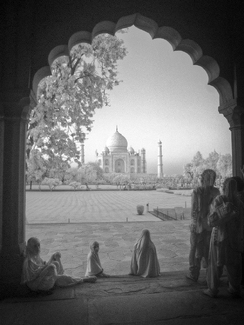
{"x": 193, "y": 169}
{"x": 221, "y": 164}
{"x": 36, "y": 167}
{"x": 188, "y": 171}
{"x": 71, "y": 175}
{"x": 75, "y": 185}
{"x": 121, "y": 179}
{"x": 109, "y": 177}
{"x": 197, "y": 159}
{"x": 90, "y": 173}
{"x": 67, "y": 100}
{"x": 51, "y": 182}
{"x": 212, "y": 160}
{"x": 224, "y": 165}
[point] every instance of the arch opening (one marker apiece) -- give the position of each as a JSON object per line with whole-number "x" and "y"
{"x": 189, "y": 47}
{"x": 151, "y": 27}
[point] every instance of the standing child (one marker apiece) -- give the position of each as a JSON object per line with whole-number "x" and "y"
{"x": 94, "y": 266}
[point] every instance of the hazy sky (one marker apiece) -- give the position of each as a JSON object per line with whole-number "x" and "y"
{"x": 162, "y": 96}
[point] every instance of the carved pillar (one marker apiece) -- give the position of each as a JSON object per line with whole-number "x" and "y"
{"x": 1, "y": 172}
{"x": 13, "y": 124}
{"x": 234, "y": 113}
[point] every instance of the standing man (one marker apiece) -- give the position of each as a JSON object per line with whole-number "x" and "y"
{"x": 240, "y": 189}
{"x": 202, "y": 197}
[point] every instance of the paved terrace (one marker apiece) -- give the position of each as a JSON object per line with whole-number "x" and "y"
{"x": 78, "y": 217}
{"x": 121, "y": 299}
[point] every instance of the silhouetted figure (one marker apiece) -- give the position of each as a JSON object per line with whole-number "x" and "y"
{"x": 226, "y": 242}
{"x": 200, "y": 234}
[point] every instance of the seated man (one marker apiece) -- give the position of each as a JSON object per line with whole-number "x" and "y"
{"x": 40, "y": 276}
{"x": 144, "y": 260}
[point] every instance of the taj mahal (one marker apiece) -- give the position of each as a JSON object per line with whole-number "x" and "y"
{"x": 117, "y": 158}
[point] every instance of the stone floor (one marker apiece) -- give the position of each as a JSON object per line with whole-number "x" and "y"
{"x": 68, "y": 221}
{"x": 170, "y": 299}
{"x": 116, "y": 243}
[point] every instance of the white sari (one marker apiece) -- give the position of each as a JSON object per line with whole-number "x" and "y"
{"x": 41, "y": 276}
{"x": 144, "y": 260}
{"x": 94, "y": 266}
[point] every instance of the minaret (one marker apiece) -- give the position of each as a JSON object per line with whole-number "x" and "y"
{"x": 143, "y": 154}
{"x": 82, "y": 154}
{"x": 160, "y": 160}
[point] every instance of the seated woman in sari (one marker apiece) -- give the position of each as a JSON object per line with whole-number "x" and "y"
{"x": 41, "y": 276}
{"x": 144, "y": 260}
{"x": 94, "y": 267}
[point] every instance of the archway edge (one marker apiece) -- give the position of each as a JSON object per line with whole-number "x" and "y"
{"x": 79, "y": 37}
{"x": 224, "y": 89}
{"x": 148, "y": 25}
{"x": 39, "y": 75}
{"x": 60, "y": 50}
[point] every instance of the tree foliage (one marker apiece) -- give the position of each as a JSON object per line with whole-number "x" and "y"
{"x": 224, "y": 165}
{"x": 90, "y": 173}
{"x": 221, "y": 164}
{"x": 67, "y": 100}
{"x": 51, "y": 182}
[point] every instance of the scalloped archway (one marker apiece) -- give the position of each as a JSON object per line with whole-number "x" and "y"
{"x": 167, "y": 33}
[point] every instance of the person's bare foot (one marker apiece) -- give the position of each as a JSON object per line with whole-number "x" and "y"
{"x": 209, "y": 293}
{"x": 103, "y": 275}
{"x": 90, "y": 279}
{"x": 191, "y": 277}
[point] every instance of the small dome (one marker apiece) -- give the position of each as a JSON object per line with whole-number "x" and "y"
{"x": 131, "y": 150}
{"x": 117, "y": 142}
{"x": 106, "y": 150}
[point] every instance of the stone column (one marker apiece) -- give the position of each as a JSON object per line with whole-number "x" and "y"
{"x": 234, "y": 113}
{"x": 13, "y": 124}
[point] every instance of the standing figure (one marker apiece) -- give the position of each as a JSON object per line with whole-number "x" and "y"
{"x": 200, "y": 234}
{"x": 226, "y": 243}
{"x": 94, "y": 267}
{"x": 41, "y": 276}
{"x": 240, "y": 189}
{"x": 144, "y": 260}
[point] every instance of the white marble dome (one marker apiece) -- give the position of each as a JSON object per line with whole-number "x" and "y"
{"x": 117, "y": 142}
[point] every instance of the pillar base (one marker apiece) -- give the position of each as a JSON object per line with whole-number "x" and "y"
{"x": 11, "y": 268}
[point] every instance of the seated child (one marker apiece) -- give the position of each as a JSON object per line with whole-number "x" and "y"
{"x": 144, "y": 260}
{"x": 41, "y": 276}
{"x": 94, "y": 266}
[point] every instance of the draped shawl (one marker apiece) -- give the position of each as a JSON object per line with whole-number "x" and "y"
{"x": 144, "y": 260}
{"x": 94, "y": 266}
